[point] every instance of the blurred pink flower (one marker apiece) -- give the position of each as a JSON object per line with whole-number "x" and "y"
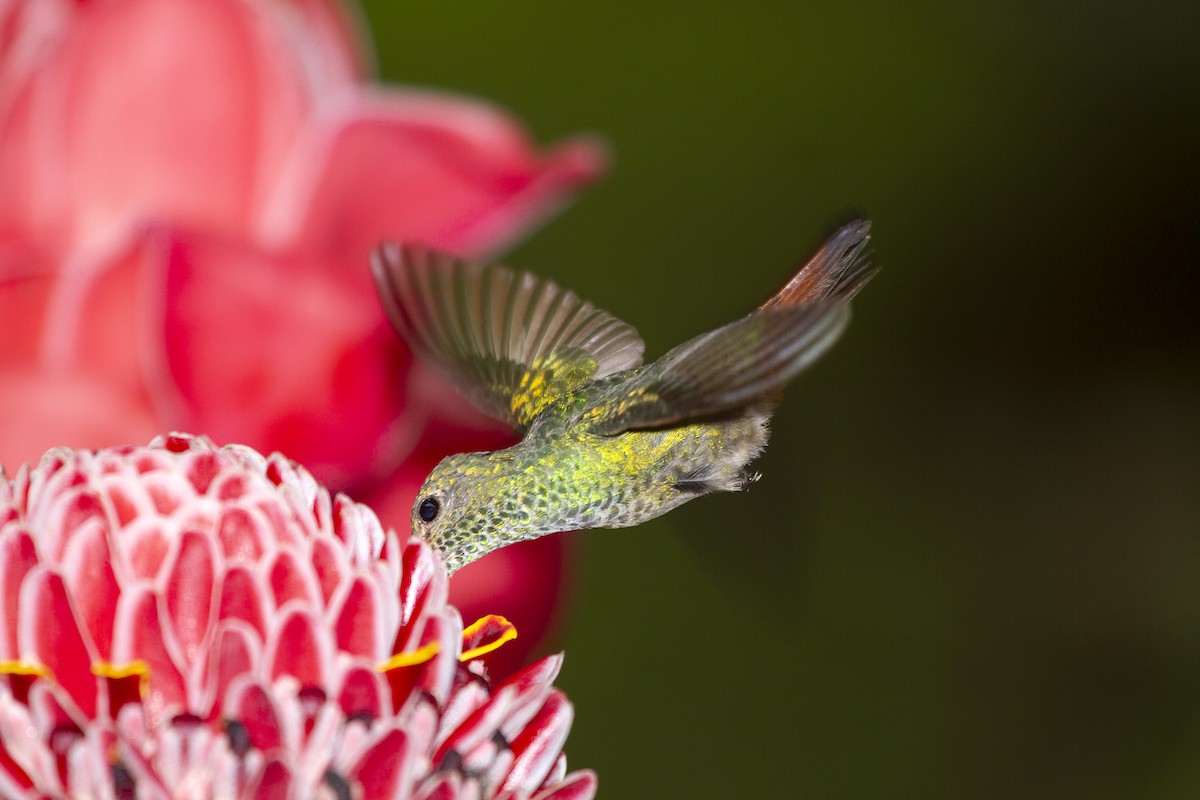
{"x": 189, "y": 190}
{"x": 183, "y": 621}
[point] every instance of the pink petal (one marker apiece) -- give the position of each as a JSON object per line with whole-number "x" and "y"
{"x": 465, "y": 701}
{"x": 418, "y": 584}
{"x": 243, "y": 536}
{"x": 361, "y": 693}
{"x": 359, "y": 529}
{"x": 243, "y": 597}
{"x": 577, "y": 786}
{"x": 50, "y": 707}
{"x": 324, "y": 379}
{"x": 76, "y": 510}
{"x": 26, "y": 287}
{"x": 329, "y": 564}
{"x": 493, "y": 760}
{"x": 237, "y": 651}
{"x": 435, "y": 674}
{"x": 145, "y": 548}
{"x": 101, "y": 320}
{"x": 438, "y": 169}
{"x": 17, "y": 557}
{"x": 360, "y": 625}
{"x": 27, "y": 34}
{"x": 479, "y": 727}
{"x": 88, "y": 569}
{"x": 275, "y": 782}
{"x": 49, "y": 633}
{"x": 202, "y": 469}
{"x": 330, "y": 36}
{"x": 75, "y": 355}
{"x": 13, "y": 779}
{"x": 537, "y": 675}
{"x": 382, "y": 769}
{"x": 558, "y": 771}
{"x": 253, "y": 709}
{"x": 446, "y": 788}
{"x": 127, "y": 502}
{"x": 540, "y": 743}
{"x": 103, "y": 137}
{"x": 533, "y": 686}
{"x": 300, "y": 648}
{"x": 231, "y": 486}
{"x": 189, "y": 592}
{"x": 139, "y": 635}
{"x": 291, "y": 580}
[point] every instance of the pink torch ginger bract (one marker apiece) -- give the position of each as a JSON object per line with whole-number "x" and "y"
{"x": 183, "y": 621}
{"x": 189, "y": 193}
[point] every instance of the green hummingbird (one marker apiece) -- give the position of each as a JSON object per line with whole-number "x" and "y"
{"x": 608, "y": 443}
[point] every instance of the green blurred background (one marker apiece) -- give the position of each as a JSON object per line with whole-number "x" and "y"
{"x": 971, "y": 567}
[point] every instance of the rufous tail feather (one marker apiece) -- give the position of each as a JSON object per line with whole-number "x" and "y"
{"x": 837, "y": 271}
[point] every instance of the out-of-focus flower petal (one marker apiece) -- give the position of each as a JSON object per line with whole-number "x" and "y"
{"x": 25, "y": 291}
{"x": 78, "y": 354}
{"x": 200, "y": 156}
{"x": 102, "y": 319}
{"x": 28, "y": 31}
{"x": 447, "y": 171}
{"x": 84, "y": 409}
{"x": 310, "y": 372}
{"x": 330, "y": 33}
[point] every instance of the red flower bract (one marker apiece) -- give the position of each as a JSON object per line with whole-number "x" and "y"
{"x": 189, "y": 192}
{"x": 183, "y": 621}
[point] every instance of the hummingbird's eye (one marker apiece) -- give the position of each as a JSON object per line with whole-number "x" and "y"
{"x": 429, "y": 508}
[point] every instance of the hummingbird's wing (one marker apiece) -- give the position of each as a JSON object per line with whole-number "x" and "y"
{"x": 720, "y": 371}
{"x": 730, "y": 367}
{"x": 510, "y": 341}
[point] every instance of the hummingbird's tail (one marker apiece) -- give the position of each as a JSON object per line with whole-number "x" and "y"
{"x": 836, "y": 272}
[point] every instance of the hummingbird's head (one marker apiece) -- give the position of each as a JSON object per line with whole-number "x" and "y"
{"x": 456, "y": 510}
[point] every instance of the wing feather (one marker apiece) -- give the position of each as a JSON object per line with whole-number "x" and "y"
{"x": 720, "y": 371}
{"x": 510, "y": 341}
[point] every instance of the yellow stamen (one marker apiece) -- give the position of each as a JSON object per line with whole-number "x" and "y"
{"x": 138, "y": 668}
{"x": 510, "y": 633}
{"x": 107, "y": 669}
{"x": 418, "y": 656}
{"x": 14, "y": 667}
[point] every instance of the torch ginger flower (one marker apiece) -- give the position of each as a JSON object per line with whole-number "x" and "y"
{"x": 183, "y": 621}
{"x": 189, "y": 193}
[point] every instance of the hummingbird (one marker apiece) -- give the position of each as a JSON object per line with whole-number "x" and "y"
{"x": 607, "y": 442}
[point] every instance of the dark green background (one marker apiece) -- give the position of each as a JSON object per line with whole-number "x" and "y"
{"x": 971, "y": 568}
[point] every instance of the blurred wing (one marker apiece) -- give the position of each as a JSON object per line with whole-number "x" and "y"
{"x": 721, "y": 371}
{"x": 510, "y": 341}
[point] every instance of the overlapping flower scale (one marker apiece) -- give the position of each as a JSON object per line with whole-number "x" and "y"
{"x": 187, "y": 621}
